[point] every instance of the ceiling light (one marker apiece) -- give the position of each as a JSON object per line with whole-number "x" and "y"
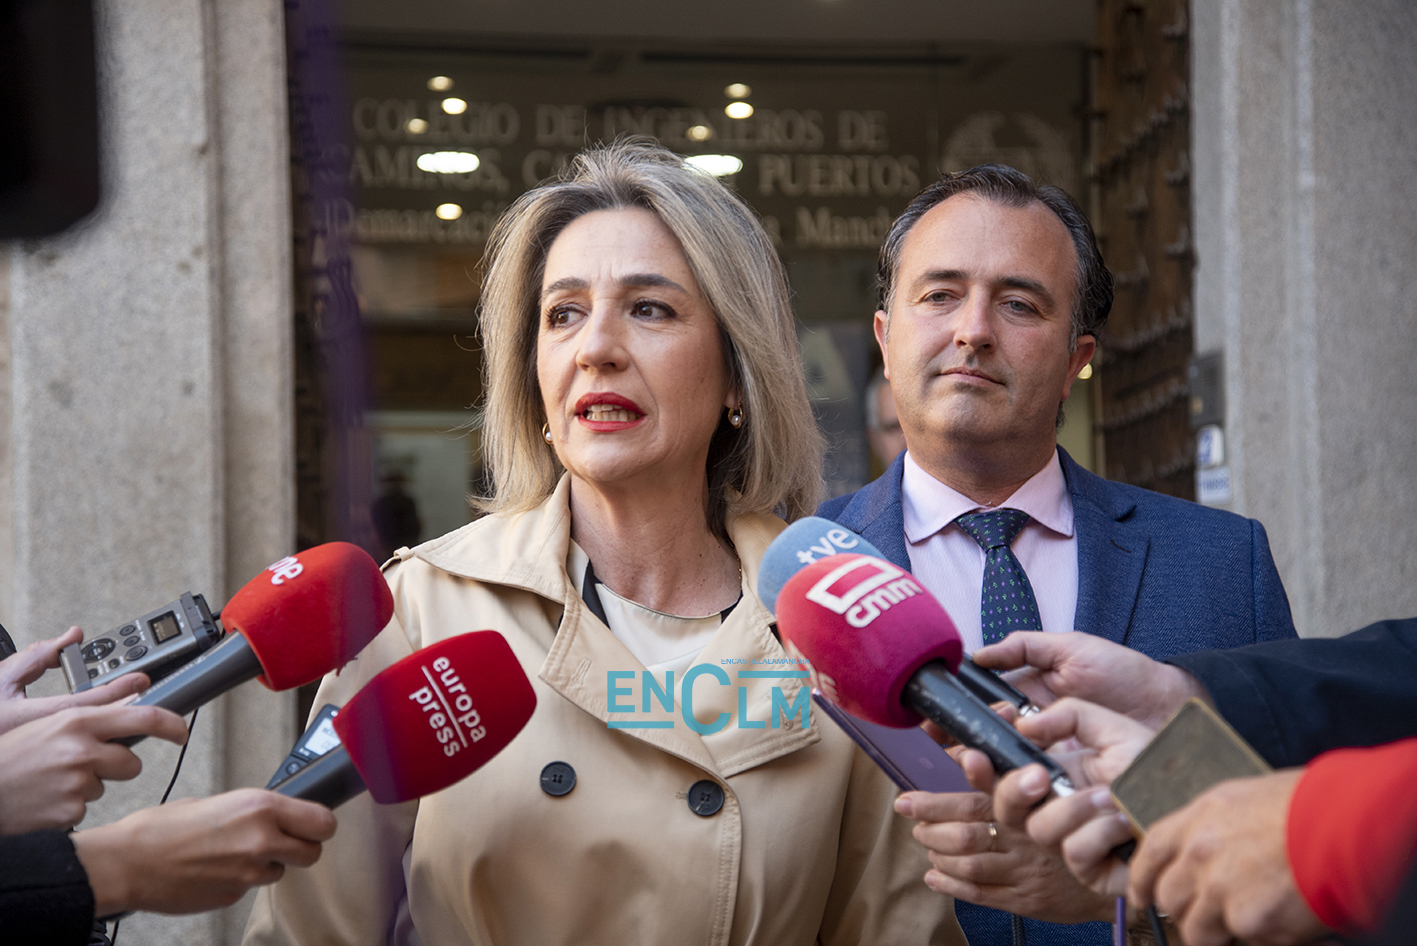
{"x": 738, "y": 110}
{"x": 416, "y": 126}
{"x": 698, "y": 133}
{"x": 719, "y": 165}
{"x": 738, "y": 91}
{"x": 440, "y": 83}
{"x": 454, "y": 106}
{"x": 448, "y": 162}
{"x": 448, "y": 211}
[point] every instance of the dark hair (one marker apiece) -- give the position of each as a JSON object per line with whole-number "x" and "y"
{"x": 1004, "y": 185}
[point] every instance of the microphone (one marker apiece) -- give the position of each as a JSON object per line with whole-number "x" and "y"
{"x": 884, "y": 649}
{"x": 299, "y": 619}
{"x": 422, "y": 724}
{"x": 813, "y": 538}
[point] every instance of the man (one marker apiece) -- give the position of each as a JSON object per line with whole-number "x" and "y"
{"x": 991, "y": 293}
{"x": 882, "y": 421}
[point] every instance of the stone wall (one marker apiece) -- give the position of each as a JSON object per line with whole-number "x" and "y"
{"x": 150, "y": 447}
{"x": 1305, "y": 144}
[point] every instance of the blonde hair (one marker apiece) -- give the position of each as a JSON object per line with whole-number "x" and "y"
{"x": 772, "y": 463}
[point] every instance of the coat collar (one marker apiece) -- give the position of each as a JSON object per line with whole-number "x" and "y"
{"x": 528, "y": 551}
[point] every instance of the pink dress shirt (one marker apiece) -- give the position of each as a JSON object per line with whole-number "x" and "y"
{"x": 951, "y": 565}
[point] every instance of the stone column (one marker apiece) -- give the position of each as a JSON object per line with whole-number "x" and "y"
{"x": 151, "y": 446}
{"x": 1305, "y": 143}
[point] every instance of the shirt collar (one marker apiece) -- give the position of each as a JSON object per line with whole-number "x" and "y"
{"x": 929, "y": 506}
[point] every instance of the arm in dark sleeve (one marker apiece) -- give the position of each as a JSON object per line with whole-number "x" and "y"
{"x": 1293, "y": 699}
{"x": 45, "y": 898}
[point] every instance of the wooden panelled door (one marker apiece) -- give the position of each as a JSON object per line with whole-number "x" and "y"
{"x": 1140, "y": 174}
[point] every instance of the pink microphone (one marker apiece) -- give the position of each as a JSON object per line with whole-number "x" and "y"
{"x": 883, "y": 648}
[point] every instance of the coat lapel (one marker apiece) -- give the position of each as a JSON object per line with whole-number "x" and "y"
{"x": 1112, "y": 553}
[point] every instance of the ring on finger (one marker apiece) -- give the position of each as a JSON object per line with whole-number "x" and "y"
{"x": 993, "y": 837}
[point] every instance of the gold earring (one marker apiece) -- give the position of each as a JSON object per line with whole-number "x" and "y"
{"x": 546, "y": 432}
{"x": 735, "y": 417}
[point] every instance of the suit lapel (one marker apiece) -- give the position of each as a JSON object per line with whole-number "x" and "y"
{"x": 876, "y": 513}
{"x": 1112, "y": 553}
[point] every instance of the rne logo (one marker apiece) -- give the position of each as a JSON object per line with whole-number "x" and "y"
{"x": 287, "y": 568}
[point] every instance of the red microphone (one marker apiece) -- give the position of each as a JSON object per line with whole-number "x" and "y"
{"x": 425, "y": 723}
{"x": 299, "y": 619}
{"x": 883, "y": 648}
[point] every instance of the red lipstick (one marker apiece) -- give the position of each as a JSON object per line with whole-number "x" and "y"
{"x": 605, "y": 412}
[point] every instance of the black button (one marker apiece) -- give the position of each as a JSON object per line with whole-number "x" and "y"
{"x": 92, "y": 673}
{"x": 136, "y": 652}
{"x": 705, "y": 798}
{"x": 115, "y": 663}
{"x": 96, "y": 650}
{"x": 292, "y": 768}
{"x": 128, "y": 629}
{"x": 557, "y": 779}
{"x": 132, "y": 641}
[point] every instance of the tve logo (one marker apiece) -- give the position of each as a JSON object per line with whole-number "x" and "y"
{"x": 862, "y": 588}
{"x": 832, "y": 542}
{"x": 287, "y": 568}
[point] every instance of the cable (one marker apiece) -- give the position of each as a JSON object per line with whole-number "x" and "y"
{"x": 112, "y": 939}
{"x": 177, "y": 769}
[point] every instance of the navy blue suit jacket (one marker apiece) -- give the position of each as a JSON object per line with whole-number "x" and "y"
{"x": 1158, "y": 574}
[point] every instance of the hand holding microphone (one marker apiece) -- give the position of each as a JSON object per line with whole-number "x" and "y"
{"x": 21, "y": 669}
{"x": 193, "y": 855}
{"x": 51, "y": 768}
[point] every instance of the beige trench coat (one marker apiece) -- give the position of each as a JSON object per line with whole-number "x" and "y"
{"x": 805, "y": 849}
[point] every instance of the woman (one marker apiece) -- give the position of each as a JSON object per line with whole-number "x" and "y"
{"x": 645, "y": 414}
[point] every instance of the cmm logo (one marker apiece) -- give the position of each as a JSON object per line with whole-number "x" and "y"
{"x": 861, "y": 589}
{"x": 285, "y": 569}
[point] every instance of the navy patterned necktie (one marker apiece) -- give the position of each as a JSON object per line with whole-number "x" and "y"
{"x": 1006, "y": 602}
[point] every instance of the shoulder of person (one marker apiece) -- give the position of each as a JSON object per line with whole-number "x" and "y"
{"x": 1140, "y": 505}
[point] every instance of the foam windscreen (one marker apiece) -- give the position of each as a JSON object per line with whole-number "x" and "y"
{"x": 436, "y": 716}
{"x": 311, "y": 612}
{"x": 799, "y": 545}
{"x": 865, "y": 626}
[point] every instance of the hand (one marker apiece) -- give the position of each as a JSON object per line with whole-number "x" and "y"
{"x": 51, "y": 768}
{"x": 1006, "y": 870}
{"x": 1220, "y": 867}
{"x": 1095, "y": 745}
{"x": 20, "y": 670}
{"x": 192, "y": 855}
{"x": 1093, "y": 669}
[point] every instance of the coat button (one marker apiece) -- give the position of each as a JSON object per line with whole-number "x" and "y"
{"x": 557, "y": 779}
{"x": 705, "y": 798}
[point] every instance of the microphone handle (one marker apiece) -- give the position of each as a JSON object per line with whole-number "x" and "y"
{"x": 224, "y": 667}
{"x": 940, "y": 697}
{"x": 992, "y": 688}
{"x": 330, "y": 780}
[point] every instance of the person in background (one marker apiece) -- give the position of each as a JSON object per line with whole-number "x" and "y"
{"x": 882, "y": 421}
{"x": 992, "y": 293}
{"x": 646, "y": 414}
